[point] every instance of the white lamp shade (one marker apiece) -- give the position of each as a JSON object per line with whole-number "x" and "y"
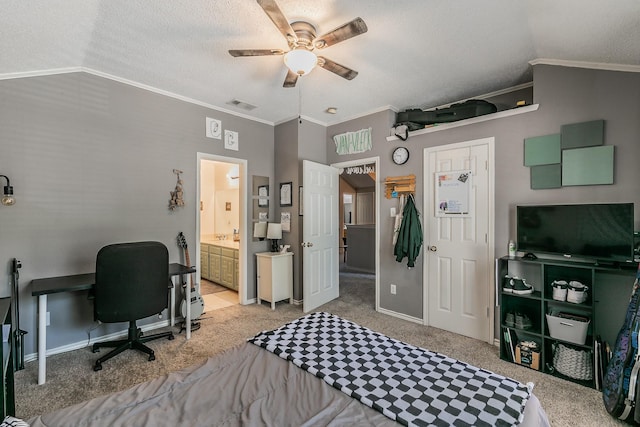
{"x": 260, "y": 230}
{"x": 300, "y": 61}
{"x": 274, "y": 231}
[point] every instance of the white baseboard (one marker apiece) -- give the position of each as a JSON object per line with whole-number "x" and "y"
{"x": 85, "y": 343}
{"x": 400, "y": 316}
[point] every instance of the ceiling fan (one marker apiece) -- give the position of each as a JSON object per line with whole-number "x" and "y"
{"x": 301, "y": 37}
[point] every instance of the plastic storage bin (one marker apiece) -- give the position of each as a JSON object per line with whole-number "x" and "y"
{"x": 568, "y": 327}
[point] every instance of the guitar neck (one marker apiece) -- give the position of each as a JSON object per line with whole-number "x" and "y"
{"x": 186, "y": 257}
{"x": 188, "y": 261}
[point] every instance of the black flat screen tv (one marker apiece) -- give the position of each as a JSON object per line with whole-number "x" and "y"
{"x": 599, "y": 232}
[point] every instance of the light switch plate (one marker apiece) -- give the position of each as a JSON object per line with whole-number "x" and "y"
{"x": 393, "y": 212}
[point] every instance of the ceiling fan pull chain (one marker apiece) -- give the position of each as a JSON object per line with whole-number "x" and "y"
{"x": 300, "y": 103}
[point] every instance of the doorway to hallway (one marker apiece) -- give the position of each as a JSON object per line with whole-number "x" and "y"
{"x": 358, "y": 223}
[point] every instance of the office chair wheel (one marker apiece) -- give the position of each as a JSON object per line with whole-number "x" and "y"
{"x": 97, "y": 367}
{"x": 152, "y": 357}
{"x": 171, "y": 337}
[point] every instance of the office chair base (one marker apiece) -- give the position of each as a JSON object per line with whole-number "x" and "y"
{"x": 135, "y": 340}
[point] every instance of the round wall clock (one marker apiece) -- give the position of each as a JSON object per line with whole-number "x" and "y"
{"x": 400, "y": 155}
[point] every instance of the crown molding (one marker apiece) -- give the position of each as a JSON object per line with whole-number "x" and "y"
{"x": 591, "y": 65}
{"x": 56, "y": 71}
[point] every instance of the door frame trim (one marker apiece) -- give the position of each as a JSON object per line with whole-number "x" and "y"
{"x": 376, "y": 161}
{"x": 242, "y": 212}
{"x": 490, "y": 142}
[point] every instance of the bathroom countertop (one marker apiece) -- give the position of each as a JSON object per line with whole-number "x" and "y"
{"x": 210, "y": 240}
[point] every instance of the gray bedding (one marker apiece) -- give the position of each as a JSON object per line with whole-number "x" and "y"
{"x": 244, "y": 386}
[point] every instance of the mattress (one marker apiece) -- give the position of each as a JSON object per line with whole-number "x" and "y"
{"x": 243, "y": 386}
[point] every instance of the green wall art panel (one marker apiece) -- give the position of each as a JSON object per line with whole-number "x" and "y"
{"x": 542, "y": 150}
{"x": 588, "y": 166}
{"x": 546, "y": 176}
{"x": 575, "y": 156}
{"x": 585, "y": 134}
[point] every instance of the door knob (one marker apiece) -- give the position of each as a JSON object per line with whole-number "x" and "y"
{"x": 433, "y": 248}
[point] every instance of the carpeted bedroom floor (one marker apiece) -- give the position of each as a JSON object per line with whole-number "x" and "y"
{"x": 71, "y": 379}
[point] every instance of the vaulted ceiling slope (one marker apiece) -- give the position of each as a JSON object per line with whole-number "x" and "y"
{"x": 416, "y": 53}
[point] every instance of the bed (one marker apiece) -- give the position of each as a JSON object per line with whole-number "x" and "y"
{"x": 319, "y": 370}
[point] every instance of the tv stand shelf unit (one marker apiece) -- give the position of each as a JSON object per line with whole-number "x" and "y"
{"x": 608, "y": 296}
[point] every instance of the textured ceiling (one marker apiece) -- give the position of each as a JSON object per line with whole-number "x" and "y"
{"x": 417, "y": 53}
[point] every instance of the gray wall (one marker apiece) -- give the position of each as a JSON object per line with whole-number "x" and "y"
{"x": 91, "y": 163}
{"x": 566, "y": 95}
{"x": 296, "y": 140}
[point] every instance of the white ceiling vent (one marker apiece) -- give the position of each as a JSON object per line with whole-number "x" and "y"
{"x": 241, "y": 104}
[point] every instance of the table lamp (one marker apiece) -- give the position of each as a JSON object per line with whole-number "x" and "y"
{"x": 260, "y": 230}
{"x": 274, "y": 233}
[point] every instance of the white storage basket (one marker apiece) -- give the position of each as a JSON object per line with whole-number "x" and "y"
{"x": 577, "y": 292}
{"x": 567, "y": 329}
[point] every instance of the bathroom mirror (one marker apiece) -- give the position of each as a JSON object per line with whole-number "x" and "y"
{"x": 260, "y": 195}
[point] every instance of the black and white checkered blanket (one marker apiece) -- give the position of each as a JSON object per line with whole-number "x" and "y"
{"x": 408, "y": 384}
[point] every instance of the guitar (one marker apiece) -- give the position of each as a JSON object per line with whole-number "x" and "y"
{"x": 620, "y": 379}
{"x": 197, "y": 303}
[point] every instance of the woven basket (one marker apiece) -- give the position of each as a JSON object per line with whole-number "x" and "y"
{"x": 576, "y": 364}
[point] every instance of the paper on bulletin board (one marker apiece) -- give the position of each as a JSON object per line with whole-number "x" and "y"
{"x": 453, "y": 193}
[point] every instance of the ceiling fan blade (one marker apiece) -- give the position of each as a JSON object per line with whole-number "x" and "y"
{"x": 272, "y": 10}
{"x": 291, "y": 79}
{"x": 255, "y": 52}
{"x": 334, "y": 67}
{"x": 346, "y": 31}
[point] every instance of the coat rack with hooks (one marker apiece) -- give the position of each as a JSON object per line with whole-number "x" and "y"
{"x": 400, "y": 185}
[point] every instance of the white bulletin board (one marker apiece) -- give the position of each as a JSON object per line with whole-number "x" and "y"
{"x": 453, "y": 193}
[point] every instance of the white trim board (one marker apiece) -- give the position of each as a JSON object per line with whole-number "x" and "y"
{"x": 465, "y": 122}
{"x": 590, "y": 65}
{"x": 86, "y": 343}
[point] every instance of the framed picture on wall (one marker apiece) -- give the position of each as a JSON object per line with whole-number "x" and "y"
{"x": 263, "y": 196}
{"x": 285, "y": 194}
{"x": 300, "y": 199}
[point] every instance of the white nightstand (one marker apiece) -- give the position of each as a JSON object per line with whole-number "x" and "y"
{"x": 275, "y": 277}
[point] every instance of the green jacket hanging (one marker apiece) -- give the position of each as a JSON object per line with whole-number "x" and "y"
{"x": 410, "y": 234}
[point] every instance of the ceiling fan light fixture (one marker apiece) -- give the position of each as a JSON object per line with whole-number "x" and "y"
{"x": 300, "y": 61}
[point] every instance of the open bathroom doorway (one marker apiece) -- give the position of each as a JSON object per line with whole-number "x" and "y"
{"x": 221, "y": 231}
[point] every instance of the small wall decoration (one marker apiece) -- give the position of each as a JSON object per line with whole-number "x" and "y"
{"x": 285, "y": 221}
{"x": 453, "y": 193}
{"x": 214, "y": 128}
{"x": 361, "y": 170}
{"x": 231, "y": 140}
{"x": 263, "y": 196}
{"x": 300, "y": 199}
{"x": 176, "y": 200}
{"x": 285, "y": 194}
{"x": 353, "y": 142}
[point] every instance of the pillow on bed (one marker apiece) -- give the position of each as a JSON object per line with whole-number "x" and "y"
{"x": 10, "y": 421}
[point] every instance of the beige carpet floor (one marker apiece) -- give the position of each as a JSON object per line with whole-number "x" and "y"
{"x": 70, "y": 378}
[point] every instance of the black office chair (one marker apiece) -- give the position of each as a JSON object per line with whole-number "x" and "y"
{"x": 132, "y": 282}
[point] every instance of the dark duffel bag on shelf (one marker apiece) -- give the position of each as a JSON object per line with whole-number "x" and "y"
{"x": 459, "y": 111}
